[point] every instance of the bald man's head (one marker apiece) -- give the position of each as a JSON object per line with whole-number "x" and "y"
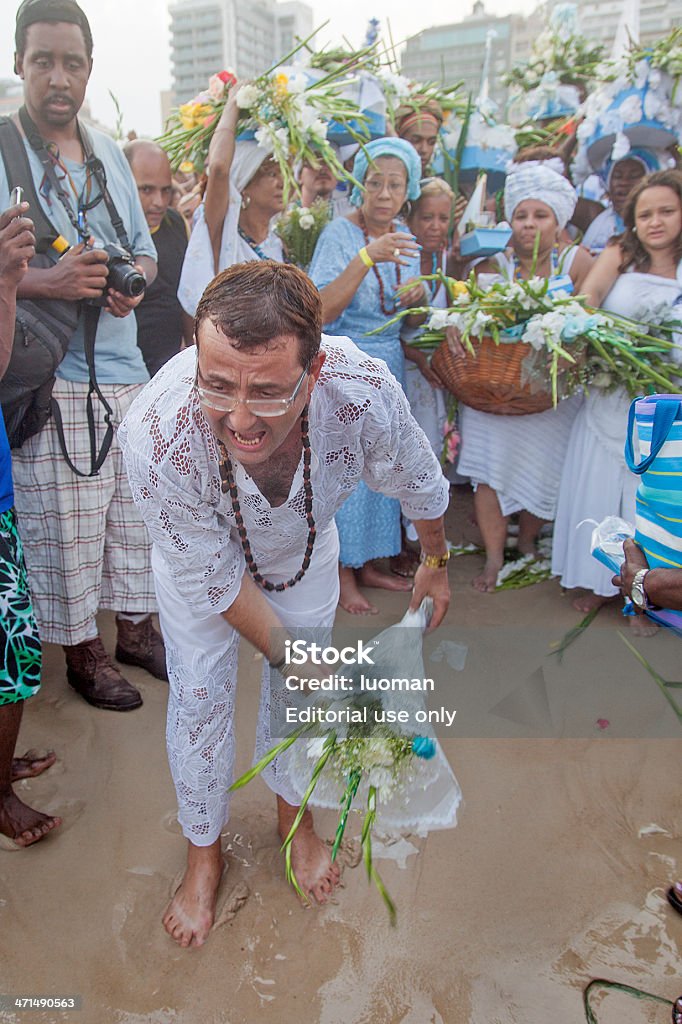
{"x": 152, "y": 172}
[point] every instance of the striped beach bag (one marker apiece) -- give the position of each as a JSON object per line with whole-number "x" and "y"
{"x": 658, "y": 421}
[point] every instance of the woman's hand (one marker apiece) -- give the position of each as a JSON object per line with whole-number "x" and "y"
{"x": 422, "y": 361}
{"x": 454, "y": 340}
{"x": 390, "y": 248}
{"x": 413, "y": 296}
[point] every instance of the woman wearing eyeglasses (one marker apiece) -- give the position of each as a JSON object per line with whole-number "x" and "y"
{"x": 244, "y": 191}
{"x": 360, "y": 263}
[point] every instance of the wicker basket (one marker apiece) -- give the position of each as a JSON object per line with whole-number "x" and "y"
{"x": 490, "y": 381}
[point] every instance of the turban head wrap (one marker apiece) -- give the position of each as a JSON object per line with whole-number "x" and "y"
{"x": 646, "y": 157}
{"x": 409, "y": 114}
{"x": 388, "y": 147}
{"x": 538, "y": 181}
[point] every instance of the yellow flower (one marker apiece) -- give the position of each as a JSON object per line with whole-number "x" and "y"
{"x": 459, "y": 288}
{"x": 281, "y": 81}
{"x": 186, "y": 167}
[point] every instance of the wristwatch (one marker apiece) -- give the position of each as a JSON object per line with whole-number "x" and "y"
{"x": 434, "y": 561}
{"x": 638, "y": 593}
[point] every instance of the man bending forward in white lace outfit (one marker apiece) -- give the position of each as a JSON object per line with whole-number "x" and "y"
{"x": 224, "y": 427}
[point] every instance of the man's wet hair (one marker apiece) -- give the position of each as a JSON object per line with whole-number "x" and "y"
{"x": 252, "y": 303}
{"x": 32, "y": 11}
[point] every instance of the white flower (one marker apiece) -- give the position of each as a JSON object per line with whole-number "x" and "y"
{"x": 264, "y": 138}
{"x": 297, "y": 83}
{"x": 247, "y": 97}
{"x": 306, "y": 221}
{"x": 377, "y": 753}
{"x": 318, "y": 128}
{"x": 481, "y": 321}
{"x": 316, "y": 747}
{"x": 216, "y": 87}
{"x": 282, "y": 137}
{"x": 439, "y": 320}
{"x": 382, "y": 779}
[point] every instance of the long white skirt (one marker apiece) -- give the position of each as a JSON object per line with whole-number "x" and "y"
{"x": 595, "y": 483}
{"x": 201, "y": 655}
{"x": 520, "y": 457}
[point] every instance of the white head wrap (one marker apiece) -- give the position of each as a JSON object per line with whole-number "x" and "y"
{"x": 535, "y": 180}
{"x": 198, "y": 269}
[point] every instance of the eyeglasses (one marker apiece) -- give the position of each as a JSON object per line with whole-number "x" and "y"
{"x": 259, "y": 406}
{"x": 378, "y": 184}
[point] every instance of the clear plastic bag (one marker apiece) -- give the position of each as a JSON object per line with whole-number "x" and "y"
{"x": 426, "y": 794}
{"x": 607, "y": 541}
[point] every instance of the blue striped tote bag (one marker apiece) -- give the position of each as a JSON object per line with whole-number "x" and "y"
{"x": 658, "y": 422}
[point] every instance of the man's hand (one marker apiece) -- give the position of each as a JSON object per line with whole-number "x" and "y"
{"x": 431, "y": 583}
{"x": 454, "y": 340}
{"x": 120, "y": 305}
{"x": 81, "y": 273}
{"x": 635, "y": 559}
{"x": 17, "y": 244}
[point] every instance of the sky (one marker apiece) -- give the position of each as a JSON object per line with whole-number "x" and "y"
{"x": 132, "y": 55}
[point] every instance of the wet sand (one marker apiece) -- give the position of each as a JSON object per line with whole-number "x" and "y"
{"x": 556, "y": 872}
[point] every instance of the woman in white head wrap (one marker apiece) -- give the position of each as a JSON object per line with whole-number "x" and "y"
{"x": 244, "y": 192}
{"x": 514, "y": 462}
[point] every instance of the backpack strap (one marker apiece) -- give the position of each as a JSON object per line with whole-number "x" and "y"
{"x": 18, "y": 171}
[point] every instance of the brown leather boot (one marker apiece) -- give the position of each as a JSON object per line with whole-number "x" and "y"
{"x": 92, "y": 673}
{"x": 140, "y": 644}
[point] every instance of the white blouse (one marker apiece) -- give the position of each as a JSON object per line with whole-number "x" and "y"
{"x": 361, "y": 428}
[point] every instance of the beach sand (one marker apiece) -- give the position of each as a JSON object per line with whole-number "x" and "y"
{"x": 556, "y": 872}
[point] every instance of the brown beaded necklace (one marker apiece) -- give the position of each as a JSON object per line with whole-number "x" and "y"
{"x": 228, "y": 485}
{"x": 382, "y": 293}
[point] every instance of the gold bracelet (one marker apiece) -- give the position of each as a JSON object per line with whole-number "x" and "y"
{"x": 366, "y": 258}
{"x": 434, "y": 561}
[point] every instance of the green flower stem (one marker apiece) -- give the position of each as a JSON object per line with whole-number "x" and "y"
{"x": 346, "y": 803}
{"x": 270, "y": 756}
{"x": 366, "y": 841}
{"x": 329, "y": 745}
{"x": 659, "y": 680}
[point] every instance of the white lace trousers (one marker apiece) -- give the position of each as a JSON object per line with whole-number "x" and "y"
{"x": 202, "y": 655}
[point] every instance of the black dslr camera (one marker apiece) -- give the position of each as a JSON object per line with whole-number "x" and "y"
{"x": 123, "y": 276}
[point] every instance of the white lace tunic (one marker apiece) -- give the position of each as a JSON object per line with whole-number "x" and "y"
{"x": 360, "y": 429}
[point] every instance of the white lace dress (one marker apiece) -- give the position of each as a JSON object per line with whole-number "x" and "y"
{"x": 520, "y": 457}
{"x": 596, "y": 482}
{"x": 360, "y": 429}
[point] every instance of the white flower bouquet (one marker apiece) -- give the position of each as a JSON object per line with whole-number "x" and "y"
{"x": 286, "y": 111}
{"x": 560, "y": 50}
{"x": 300, "y": 227}
{"x": 398, "y": 779}
{"x": 552, "y": 340}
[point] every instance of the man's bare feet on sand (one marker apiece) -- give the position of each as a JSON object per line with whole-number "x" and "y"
{"x": 486, "y": 581}
{"x": 190, "y": 914}
{"x": 588, "y": 602}
{"x": 640, "y": 625}
{"x": 350, "y": 597}
{"x": 21, "y": 824}
{"x": 310, "y": 857}
{"x": 33, "y": 763}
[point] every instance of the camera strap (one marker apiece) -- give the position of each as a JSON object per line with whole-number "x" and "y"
{"x": 91, "y": 313}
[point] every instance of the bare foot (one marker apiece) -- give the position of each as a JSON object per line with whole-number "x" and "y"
{"x": 310, "y": 857}
{"x": 640, "y": 625}
{"x": 588, "y": 602}
{"x": 405, "y": 564}
{"x": 486, "y": 581}
{"x": 370, "y": 576}
{"x": 22, "y": 824}
{"x": 350, "y": 597}
{"x": 31, "y": 764}
{"x": 527, "y": 548}
{"x": 190, "y": 914}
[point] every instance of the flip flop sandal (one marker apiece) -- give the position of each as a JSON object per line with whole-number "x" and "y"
{"x": 675, "y": 901}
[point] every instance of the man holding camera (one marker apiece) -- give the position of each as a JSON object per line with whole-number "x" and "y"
{"x": 86, "y": 547}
